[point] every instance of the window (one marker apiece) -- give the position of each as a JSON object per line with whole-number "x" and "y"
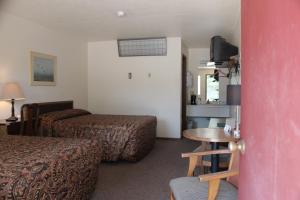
{"x": 199, "y": 85}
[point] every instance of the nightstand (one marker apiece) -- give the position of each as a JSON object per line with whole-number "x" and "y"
{"x": 10, "y": 128}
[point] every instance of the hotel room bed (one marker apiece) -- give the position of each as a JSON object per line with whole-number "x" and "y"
{"x": 121, "y": 137}
{"x": 47, "y": 168}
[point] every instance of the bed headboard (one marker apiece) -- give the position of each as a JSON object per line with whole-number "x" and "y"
{"x": 30, "y": 114}
{"x": 46, "y": 107}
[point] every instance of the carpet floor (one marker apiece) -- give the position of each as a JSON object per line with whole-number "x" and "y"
{"x": 147, "y": 179}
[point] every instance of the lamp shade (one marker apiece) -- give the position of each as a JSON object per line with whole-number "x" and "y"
{"x": 12, "y": 91}
{"x": 233, "y": 94}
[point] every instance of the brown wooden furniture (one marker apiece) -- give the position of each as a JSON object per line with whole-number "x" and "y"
{"x": 206, "y": 135}
{"x": 9, "y": 128}
{"x": 212, "y": 181}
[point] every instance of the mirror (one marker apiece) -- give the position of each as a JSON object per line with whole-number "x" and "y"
{"x": 212, "y": 88}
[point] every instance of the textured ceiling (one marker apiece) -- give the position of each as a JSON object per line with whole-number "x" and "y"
{"x": 196, "y": 21}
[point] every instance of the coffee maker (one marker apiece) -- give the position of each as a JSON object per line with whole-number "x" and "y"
{"x": 193, "y": 99}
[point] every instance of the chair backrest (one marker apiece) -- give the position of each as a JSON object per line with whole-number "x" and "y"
{"x": 234, "y": 165}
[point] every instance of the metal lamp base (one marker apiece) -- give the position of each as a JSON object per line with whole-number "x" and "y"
{"x": 12, "y": 119}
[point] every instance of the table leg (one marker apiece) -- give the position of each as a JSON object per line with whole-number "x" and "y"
{"x": 214, "y": 158}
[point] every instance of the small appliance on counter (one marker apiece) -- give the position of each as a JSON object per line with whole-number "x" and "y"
{"x": 193, "y": 99}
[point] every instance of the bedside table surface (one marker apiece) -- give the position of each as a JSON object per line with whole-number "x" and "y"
{"x": 4, "y": 122}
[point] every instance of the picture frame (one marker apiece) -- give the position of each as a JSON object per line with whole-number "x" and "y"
{"x": 42, "y": 69}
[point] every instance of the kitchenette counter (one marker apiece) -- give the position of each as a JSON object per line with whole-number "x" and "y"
{"x": 208, "y": 110}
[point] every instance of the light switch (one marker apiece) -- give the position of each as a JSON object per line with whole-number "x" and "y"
{"x": 149, "y": 75}
{"x": 129, "y": 75}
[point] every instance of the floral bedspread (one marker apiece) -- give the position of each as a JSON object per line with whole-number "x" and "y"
{"x": 47, "y": 168}
{"x": 121, "y": 137}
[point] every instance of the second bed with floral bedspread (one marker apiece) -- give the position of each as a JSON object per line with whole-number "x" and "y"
{"x": 121, "y": 137}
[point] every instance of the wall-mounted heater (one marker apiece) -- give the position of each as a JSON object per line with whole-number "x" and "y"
{"x": 142, "y": 47}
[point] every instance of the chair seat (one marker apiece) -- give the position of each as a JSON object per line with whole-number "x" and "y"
{"x": 190, "y": 188}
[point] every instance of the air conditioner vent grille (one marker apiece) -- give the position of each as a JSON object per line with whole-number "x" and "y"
{"x": 142, "y": 47}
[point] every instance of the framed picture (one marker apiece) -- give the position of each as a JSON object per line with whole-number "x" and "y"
{"x": 43, "y": 69}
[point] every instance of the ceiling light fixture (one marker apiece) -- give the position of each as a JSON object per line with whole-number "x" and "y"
{"x": 121, "y": 13}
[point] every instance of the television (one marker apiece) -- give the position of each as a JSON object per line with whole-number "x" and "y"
{"x": 221, "y": 50}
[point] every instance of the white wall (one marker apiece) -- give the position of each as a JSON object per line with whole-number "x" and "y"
{"x": 111, "y": 92}
{"x": 236, "y": 35}
{"x": 236, "y": 40}
{"x": 18, "y": 38}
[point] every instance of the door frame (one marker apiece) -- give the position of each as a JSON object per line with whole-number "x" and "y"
{"x": 183, "y": 93}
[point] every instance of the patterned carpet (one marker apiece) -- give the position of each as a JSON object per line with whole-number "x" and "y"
{"x": 147, "y": 179}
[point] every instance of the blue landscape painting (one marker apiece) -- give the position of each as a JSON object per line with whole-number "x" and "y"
{"x": 43, "y": 69}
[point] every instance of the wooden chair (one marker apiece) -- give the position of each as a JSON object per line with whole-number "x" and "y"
{"x": 205, "y": 161}
{"x": 208, "y": 186}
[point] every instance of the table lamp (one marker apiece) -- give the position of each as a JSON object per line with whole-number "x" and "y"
{"x": 234, "y": 98}
{"x": 12, "y": 91}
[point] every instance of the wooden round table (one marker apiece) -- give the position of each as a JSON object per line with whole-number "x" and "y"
{"x": 213, "y": 135}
